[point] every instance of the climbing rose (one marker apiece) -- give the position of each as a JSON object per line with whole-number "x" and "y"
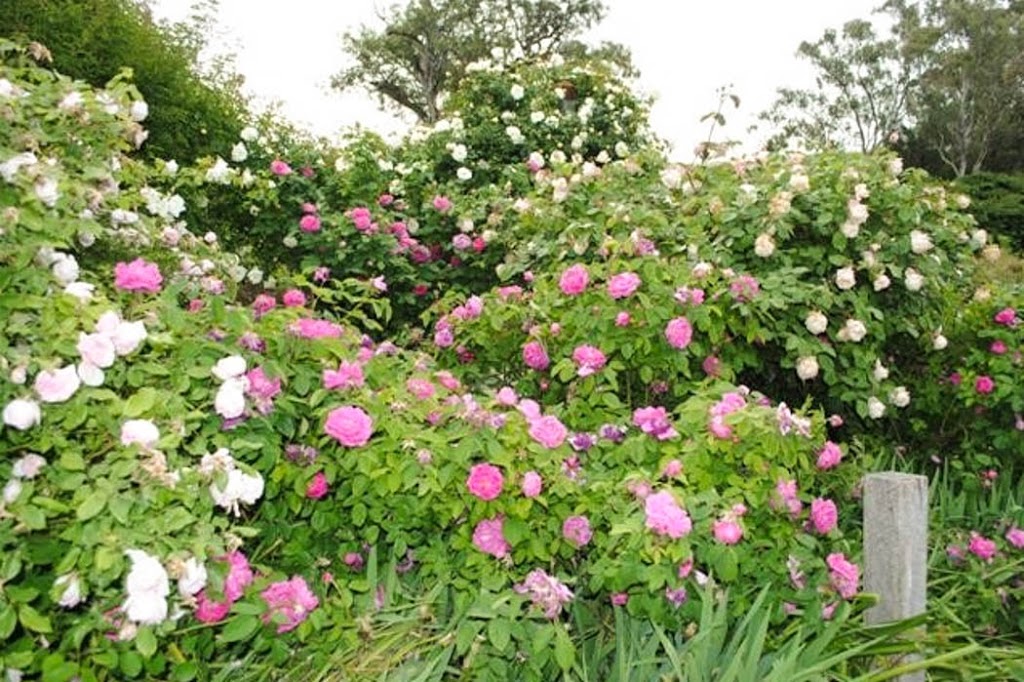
{"x": 588, "y": 359}
{"x": 535, "y": 356}
{"x": 485, "y": 481}
{"x": 350, "y": 426}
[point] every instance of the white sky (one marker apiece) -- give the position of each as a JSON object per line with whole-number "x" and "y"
{"x": 685, "y": 50}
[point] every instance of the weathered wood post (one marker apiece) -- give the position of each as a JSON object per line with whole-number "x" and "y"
{"x": 896, "y": 548}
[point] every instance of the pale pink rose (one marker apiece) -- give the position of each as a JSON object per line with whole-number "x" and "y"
{"x": 533, "y": 484}
{"x": 421, "y": 388}
{"x": 665, "y": 517}
{"x": 548, "y": 431}
{"x": 672, "y": 468}
{"x": 622, "y": 319}
{"x": 140, "y": 431}
{"x": 56, "y": 386}
{"x": 349, "y": 425}
{"x": 1015, "y": 536}
{"x": 489, "y": 537}
{"x": 448, "y": 380}
{"x": 574, "y": 280}
{"x": 96, "y": 349}
{"x": 22, "y": 414}
{"x": 588, "y": 359}
{"x": 530, "y": 409}
{"x": 485, "y": 481}
{"x": 824, "y": 515}
{"x": 263, "y": 304}
{"x": 280, "y": 168}
{"x": 507, "y": 396}
{"x": 679, "y": 332}
{"x": 442, "y": 203}
{"x": 348, "y": 375}
{"x": 289, "y": 603}
{"x": 576, "y": 529}
{"x": 139, "y": 275}
{"x": 623, "y": 285}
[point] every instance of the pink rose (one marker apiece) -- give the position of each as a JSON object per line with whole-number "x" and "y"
{"x": 139, "y": 275}
{"x": 679, "y": 332}
{"x": 824, "y": 515}
{"x": 535, "y": 356}
{"x": 998, "y": 347}
{"x": 421, "y": 388}
{"x": 574, "y": 280}
{"x": 665, "y": 517}
{"x": 619, "y": 599}
{"x": 622, "y": 319}
{"x": 309, "y": 223}
{"x": 533, "y": 484}
{"x": 348, "y": 375}
{"x": 507, "y": 396}
{"x": 588, "y": 359}
{"x": 672, "y": 468}
{"x": 727, "y": 531}
{"x": 623, "y": 285}
{"x": 1006, "y": 316}
{"x": 984, "y": 385}
{"x": 442, "y": 203}
{"x": 548, "y": 431}
{"x": 981, "y": 547}
{"x": 576, "y": 529}
{"x": 317, "y": 488}
{"x": 96, "y": 349}
{"x": 310, "y": 328}
{"x": 485, "y": 481}
{"x": 843, "y": 575}
{"x": 208, "y": 611}
{"x": 289, "y": 602}
{"x": 293, "y": 298}
{"x": 239, "y": 575}
{"x": 1015, "y": 536}
{"x": 829, "y": 456}
{"x": 489, "y": 537}
{"x": 56, "y": 386}
{"x": 349, "y": 425}
{"x": 280, "y": 168}
{"x": 263, "y": 304}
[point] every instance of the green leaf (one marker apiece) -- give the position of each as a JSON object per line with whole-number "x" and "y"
{"x": 131, "y": 664}
{"x": 33, "y": 620}
{"x": 71, "y": 460}
{"x": 8, "y": 619}
{"x": 145, "y": 642}
{"x": 92, "y": 505}
{"x": 499, "y": 632}
{"x": 239, "y": 628}
{"x": 141, "y": 403}
{"x": 565, "y": 651}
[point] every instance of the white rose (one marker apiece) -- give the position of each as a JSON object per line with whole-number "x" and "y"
{"x": 171, "y": 167}
{"x": 900, "y": 396}
{"x": 229, "y": 368}
{"x": 249, "y": 134}
{"x": 239, "y": 487}
{"x": 230, "y": 399}
{"x": 861, "y": 191}
{"x": 12, "y": 490}
{"x": 853, "y": 330}
{"x": 920, "y": 242}
{"x": 979, "y": 238}
{"x": 255, "y": 276}
{"x": 141, "y": 431}
{"x": 672, "y": 177}
{"x": 857, "y": 212}
{"x": 459, "y": 152}
{"x": 80, "y": 290}
{"x": 58, "y": 385}
{"x": 702, "y": 270}
{"x": 876, "y": 408}
{"x": 463, "y": 173}
{"x": 850, "y": 229}
{"x": 147, "y": 586}
{"x": 90, "y": 374}
{"x": 193, "y": 577}
{"x": 799, "y": 182}
{"x": 97, "y": 349}
{"x": 807, "y": 367}
{"x": 128, "y": 336}
{"x": 764, "y": 245}
{"x": 28, "y": 466}
{"x": 139, "y": 111}
{"x": 963, "y": 201}
{"x": 537, "y": 117}
{"x": 220, "y": 172}
{"x": 880, "y": 372}
{"x": 22, "y": 414}
{"x": 939, "y": 342}
{"x": 71, "y": 594}
{"x": 913, "y": 280}
{"x": 19, "y": 375}
{"x": 896, "y": 166}
{"x": 882, "y": 282}
{"x": 517, "y": 92}
{"x": 290, "y": 241}
{"x": 65, "y": 269}
{"x": 846, "y": 278}
{"x": 816, "y": 322}
{"x": 239, "y": 153}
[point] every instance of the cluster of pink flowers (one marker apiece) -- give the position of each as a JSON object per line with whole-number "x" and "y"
{"x": 350, "y": 426}
{"x": 665, "y": 517}
{"x": 293, "y": 298}
{"x": 744, "y": 288}
{"x": 289, "y": 602}
{"x": 545, "y": 591}
{"x": 730, "y": 402}
{"x": 310, "y": 221}
{"x": 348, "y": 375}
{"x": 485, "y": 481}
{"x": 239, "y": 577}
{"x": 139, "y": 275}
{"x": 654, "y": 421}
{"x": 362, "y": 220}
{"x": 262, "y": 305}
{"x": 588, "y": 359}
{"x": 311, "y": 328}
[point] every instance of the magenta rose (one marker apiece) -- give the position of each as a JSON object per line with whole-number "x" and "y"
{"x": 574, "y": 280}
{"x": 829, "y": 456}
{"x": 318, "y": 487}
{"x": 535, "y": 356}
{"x": 984, "y": 385}
{"x": 623, "y": 285}
{"x": 349, "y": 425}
{"x": 824, "y": 515}
{"x": 679, "y": 332}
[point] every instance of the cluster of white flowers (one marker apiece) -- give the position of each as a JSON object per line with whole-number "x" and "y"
{"x": 236, "y": 486}
{"x": 166, "y": 207}
{"x": 230, "y": 400}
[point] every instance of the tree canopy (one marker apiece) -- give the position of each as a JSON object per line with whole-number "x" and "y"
{"x": 423, "y": 50}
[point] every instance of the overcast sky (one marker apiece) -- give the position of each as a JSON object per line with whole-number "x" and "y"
{"x": 685, "y": 50}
